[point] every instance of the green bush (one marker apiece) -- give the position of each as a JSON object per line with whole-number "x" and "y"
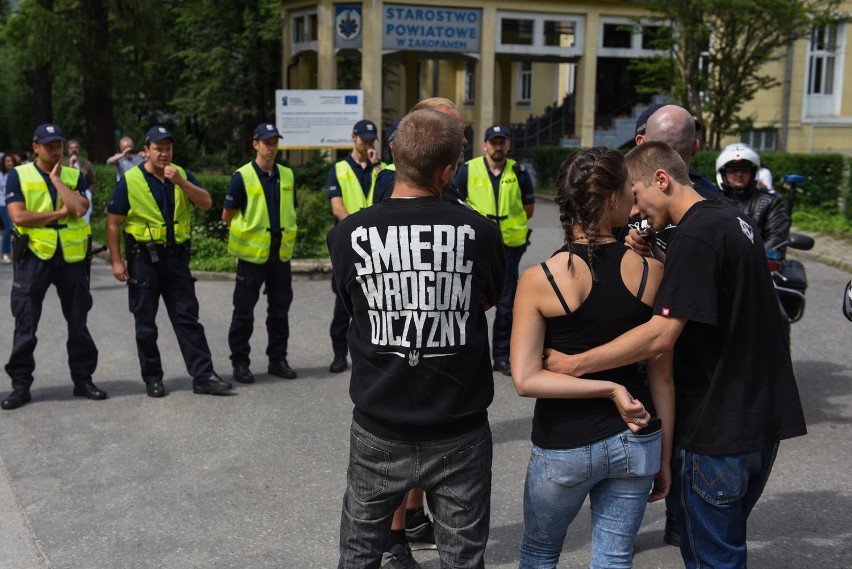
{"x": 546, "y": 161}
{"x": 824, "y": 174}
{"x": 210, "y": 254}
{"x": 315, "y": 220}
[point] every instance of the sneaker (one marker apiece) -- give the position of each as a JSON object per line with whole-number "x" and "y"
{"x": 503, "y": 367}
{"x": 7, "y": 260}
{"x": 399, "y": 557}
{"x": 419, "y": 531}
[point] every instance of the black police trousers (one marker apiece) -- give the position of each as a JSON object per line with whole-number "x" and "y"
{"x": 339, "y": 325}
{"x": 279, "y": 295}
{"x": 171, "y": 279}
{"x": 32, "y": 279}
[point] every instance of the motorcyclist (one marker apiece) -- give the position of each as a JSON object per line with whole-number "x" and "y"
{"x": 736, "y": 174}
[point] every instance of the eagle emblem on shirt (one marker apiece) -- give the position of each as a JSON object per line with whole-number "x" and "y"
{"x": 747, "y": 229}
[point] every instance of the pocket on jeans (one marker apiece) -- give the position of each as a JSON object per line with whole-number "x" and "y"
{"x": 720, "y": 479}
{"x": 643, "y": 454}
{"x": 368, "y": 468}
{"x": 567, "y": 467}
{"x": 467, "y": 472}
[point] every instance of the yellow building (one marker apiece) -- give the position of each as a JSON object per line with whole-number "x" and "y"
{"x": 506, "y": 61}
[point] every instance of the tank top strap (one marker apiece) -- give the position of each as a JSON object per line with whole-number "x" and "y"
{"x": 644, "y": 280}
{"x": 555, "y": 288}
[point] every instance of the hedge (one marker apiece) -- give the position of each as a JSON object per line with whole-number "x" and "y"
{"x": 826, "y": 181}
{"x": 210, "y": 233}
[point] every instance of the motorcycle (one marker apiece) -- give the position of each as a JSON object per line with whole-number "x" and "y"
{"x": 847, "y": 301}
{"x": 788, "y": 275}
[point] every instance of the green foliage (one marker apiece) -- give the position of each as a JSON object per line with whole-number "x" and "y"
{"x": 210, "y": 254}
{"x": 824, "y": 174}
{"x": 313, "y": 174}
{"x": 546, "y": 161}
{"x": 837, "y": 225}
{"x": 315, "y": 220}
{"x": 713, "y": 62}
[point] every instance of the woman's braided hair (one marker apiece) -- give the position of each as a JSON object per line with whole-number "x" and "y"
{"x": 584, "y": 188}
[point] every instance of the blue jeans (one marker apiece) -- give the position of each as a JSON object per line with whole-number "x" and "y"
{"x": 456, "y": 475}
{"x": 715, "y": 495}
{"x": 616, "y": 473}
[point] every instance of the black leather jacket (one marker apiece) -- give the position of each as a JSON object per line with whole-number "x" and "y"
{"x": 769, "y": 214}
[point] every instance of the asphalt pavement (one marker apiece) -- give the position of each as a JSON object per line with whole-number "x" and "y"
{"x": 255, "y": 480}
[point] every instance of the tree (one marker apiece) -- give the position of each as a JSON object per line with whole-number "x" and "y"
{"x": 716, "y": 51}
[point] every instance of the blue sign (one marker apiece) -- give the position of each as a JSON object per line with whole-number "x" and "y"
{"x": 347, "y": 27}
{"x": 427, "y": 28}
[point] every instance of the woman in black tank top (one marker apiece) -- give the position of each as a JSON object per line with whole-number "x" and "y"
{"x": 606, "y": 435}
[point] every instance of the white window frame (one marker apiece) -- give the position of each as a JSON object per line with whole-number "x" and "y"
{"x": 310, "y": 45}
{"x": 524, "y": 76}
{"x": 635, "y": 50}
{"x": 825, "y": 105}
{"x": 538, "y": 47}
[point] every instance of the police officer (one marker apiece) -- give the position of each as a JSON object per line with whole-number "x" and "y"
{"x": 351, "y": 185}
{"x": 502, "y": 190}
{"x": 154, "y": 198}
{"x": 261, "y": 209}
{"x": 46, "y": 203}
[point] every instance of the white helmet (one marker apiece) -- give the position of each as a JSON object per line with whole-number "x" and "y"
{"x": 737, "y": 154}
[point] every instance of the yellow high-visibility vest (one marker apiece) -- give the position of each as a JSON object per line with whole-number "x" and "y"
{"x": 145, "y": 221}
{"x": 509, "y": 212}
{"x": 73, "y": 232}
{"x": 250, "y": 237}
{"x": 353, "y": 195}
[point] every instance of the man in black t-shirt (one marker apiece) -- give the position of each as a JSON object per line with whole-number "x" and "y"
{"x": 416, "y": 273}
{"x": 736, "y": 396}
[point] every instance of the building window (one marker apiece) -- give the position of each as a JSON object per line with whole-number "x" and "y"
{"x": 625, "y": 37}
{"x": 524, "y": 83}
{"x": 517, "y": 32}
{"x": 469, "y": 82}
{"x": 825, "y": 69}
{"x": 761, "y": 139}
{"x": 618, "y": 35}
{"x": 305, "y": 30}
{"x": 559, "y": 33}
{"x": 540, "y": 34}
{"x": 821, "y": 64}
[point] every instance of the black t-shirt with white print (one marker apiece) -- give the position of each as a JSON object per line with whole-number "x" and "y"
{"x": 414, "y": 275}
{"x": 735, "y": 389}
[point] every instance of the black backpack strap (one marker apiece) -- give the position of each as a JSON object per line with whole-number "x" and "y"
{"x": 644, "y": 278}
{"x": 555, "y": 288}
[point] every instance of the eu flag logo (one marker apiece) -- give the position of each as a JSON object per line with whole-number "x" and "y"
{"x": 350, "y": 100}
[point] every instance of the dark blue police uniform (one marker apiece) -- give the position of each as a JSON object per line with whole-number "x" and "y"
{"x": 340, "y": 320}
{"x": 502, "y": 330}
{"x": 250, "y": 276}
{"x": 32, "y": 278}
{"x": 170, "y": 278}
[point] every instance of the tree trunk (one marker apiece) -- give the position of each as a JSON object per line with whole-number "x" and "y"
{"x": 43, "y": 84}
{"x": 97, "y": 82}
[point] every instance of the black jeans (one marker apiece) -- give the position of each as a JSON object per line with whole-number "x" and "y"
{"x": 456, "y": 475}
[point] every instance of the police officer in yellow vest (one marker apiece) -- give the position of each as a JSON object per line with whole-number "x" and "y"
{"x": 46, "y": 203}
{"x": 351, "y": 187}
{"x": 501, "y": 189}
{"x": 260, "y": 207}
{"x": 154, "y": 199}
